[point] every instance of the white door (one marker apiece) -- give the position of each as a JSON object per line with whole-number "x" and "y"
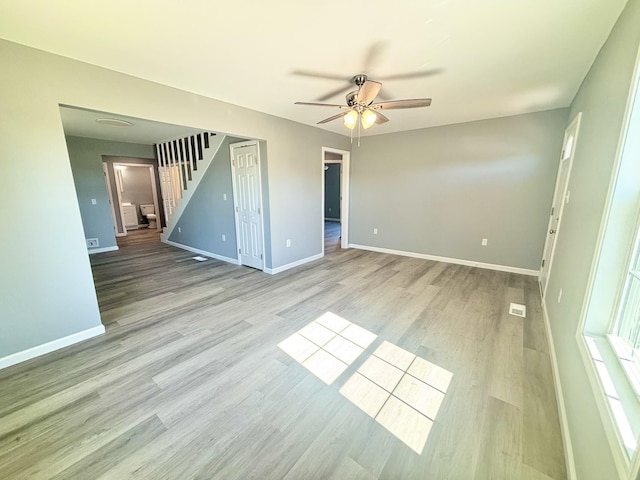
{"x": 561, "y": 197}
{"x": 247, "y": 197}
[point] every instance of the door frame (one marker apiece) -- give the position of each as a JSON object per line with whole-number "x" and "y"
{"x": 344, "y": 195}
{"x": 574, "y": 124}
{"x": 112, "y": 205}
{"x": 232, "y": 147}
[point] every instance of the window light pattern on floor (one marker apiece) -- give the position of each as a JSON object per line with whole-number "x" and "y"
{"x": 327, "y": 346}
{"x": 400, "y": 390}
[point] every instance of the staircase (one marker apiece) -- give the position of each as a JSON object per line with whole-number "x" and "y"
{"x": 181, "y": 165}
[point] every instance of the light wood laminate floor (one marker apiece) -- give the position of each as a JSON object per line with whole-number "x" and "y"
{"x": 189, "y": 381}
{"x": 331, "y": 236}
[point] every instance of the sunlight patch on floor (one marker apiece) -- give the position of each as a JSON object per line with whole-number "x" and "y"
{"x": 398, "y": 389}
{"x": 327, "y": 346}
{"x": 401, "y": 391}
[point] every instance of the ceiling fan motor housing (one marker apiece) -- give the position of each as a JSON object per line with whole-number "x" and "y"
{"x": 351, "y": 98}
{"x": 359, "y": 79}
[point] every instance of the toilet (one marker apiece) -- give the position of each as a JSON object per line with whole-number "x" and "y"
{"x": 149, "y": 212}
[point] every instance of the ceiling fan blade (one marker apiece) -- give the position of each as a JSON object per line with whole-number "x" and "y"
{"x": 368, "y": 92}
{"x": 313, "y": 104}
{"x": 409, "y": 103}
{"x": 380, "y": 118}
{"x": 335, "y": 92}
{"x": 373, "y": 55}
{"x": 422, "y": 73}
{"x": 334, "y": 117}
{"x": 328, "y": 76}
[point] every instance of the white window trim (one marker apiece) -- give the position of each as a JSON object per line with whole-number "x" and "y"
{"x": 618, "y": 344}
{"x": 631, "y": 370}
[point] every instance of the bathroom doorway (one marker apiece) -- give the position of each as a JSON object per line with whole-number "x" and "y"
{"x": 134, "y": 200}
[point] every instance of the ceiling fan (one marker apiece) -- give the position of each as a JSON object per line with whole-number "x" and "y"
{"x": 360, "y": 104}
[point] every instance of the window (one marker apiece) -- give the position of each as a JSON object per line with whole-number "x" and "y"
{"x": 625, "y": 335}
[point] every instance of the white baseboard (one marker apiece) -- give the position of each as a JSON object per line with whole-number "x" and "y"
{"x": 564, "y": 422}
{"x": 103, "y": 250}
{"x": 457, "y": 261}
{"x": 235, "y": 261}
{"x": 297, "y": 263}
{"x": 49, "y": 347}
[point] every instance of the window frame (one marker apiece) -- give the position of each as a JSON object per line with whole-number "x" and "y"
{"x": 624, "y": 351}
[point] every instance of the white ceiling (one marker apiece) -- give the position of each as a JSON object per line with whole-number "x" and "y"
{"x": 82, "y": 123}
{"x": 498, "y": 57}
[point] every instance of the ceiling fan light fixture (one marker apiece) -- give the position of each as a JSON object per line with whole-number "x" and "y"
{"x": 350, "y": 119}
{"x": 369, "y": 117}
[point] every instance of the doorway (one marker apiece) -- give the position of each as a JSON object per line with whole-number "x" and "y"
{"x": 560, "y": 199}
{"x": 335, "y": 199}
{"x": 332, "y": 194}
{"x": 247, "y": 199}
{"x": 135, "y": 205}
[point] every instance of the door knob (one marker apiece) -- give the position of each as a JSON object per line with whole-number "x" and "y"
{"x": 552, "y": 231}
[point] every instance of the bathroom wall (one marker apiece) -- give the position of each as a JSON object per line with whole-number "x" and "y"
{"x": 136, "y": 187}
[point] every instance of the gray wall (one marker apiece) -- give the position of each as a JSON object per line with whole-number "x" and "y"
{"x": 266, "y": 214}
{"x": 208, "y": 216}
{"x": 439, "y": 191}
{"x": 602, "y": 100}
{"x": 332, "y": 191}
{"x": 36, "y": 176}
{"x": 85, "y": 156}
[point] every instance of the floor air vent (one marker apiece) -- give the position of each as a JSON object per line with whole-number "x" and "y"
{"x": 517, "y": 310}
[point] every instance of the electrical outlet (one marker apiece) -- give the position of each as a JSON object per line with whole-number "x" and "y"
{"x": 375, "y": 231}
{"x": 93, "y": 201}
{"x": 92, "y": 242}
{"x": 329, "y": 208}
{"x": 288, "y": 242}
{"x": 559, "y": 295}
{"x": 224, "y": 196}
{"x": 224, "y": 237}
{"x": 484, "y": 242}
{"x": 179, "y": 230}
